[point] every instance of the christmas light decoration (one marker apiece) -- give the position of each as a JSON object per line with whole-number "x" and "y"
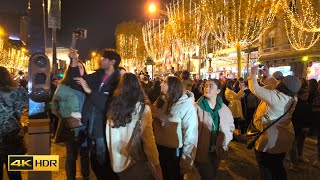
{"x": 129, "y": 42}
{"x": 185, "y": 20}
{"x": 298, "y": 38}
{"x": 238, "y": 23}
{"x": 154, "y": 38}
{"x": 303, "y": 14}
{"x": 12, "y": 58}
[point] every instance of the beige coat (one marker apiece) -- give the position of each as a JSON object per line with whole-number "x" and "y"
{"x": 226, "y": 128}
{"x": 279, "y": 137}
{"x": 235, "y": 102}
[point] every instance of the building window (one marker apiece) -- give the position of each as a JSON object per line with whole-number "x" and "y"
{"x": 270, "y": 41}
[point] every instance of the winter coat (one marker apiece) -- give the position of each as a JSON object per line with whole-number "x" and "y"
{"x": 96, "y": 103}
{"x": 11, "y": 107}
{"x": 180, "y": 130}
{"x": 279, "y": 137}
{"x": 118, "y": 140}
{"x": 235, "y": 102}
{"x": 68, "y": 102}
{"x": 95, "y": 107}
{"x": 226, "y": 126}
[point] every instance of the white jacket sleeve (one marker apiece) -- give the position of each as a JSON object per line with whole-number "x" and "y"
{"x": 262, "y": 93}
{"x": 147, "y": 137}
{"x": 226, "y": 125}
{"x": 190, "y": 139}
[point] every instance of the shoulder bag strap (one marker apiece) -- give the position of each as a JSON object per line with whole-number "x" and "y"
{"x": 276, "y": 120}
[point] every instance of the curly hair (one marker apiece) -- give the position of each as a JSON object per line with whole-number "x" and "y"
{"x": 6, "y": 80}
{"x": 128, "y": 93}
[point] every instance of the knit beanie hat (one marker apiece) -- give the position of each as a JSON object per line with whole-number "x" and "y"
{"x": 278, "y": 75}
{"x": 292, "y": 83}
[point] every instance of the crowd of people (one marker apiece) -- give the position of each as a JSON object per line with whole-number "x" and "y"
{"x": 127, "y": 126}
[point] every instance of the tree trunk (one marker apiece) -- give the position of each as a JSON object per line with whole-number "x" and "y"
{"x": 239, "y": 58}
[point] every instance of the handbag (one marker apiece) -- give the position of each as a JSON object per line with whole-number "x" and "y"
{"x": 253, "y": 133}
{"x": 140, "y": 166}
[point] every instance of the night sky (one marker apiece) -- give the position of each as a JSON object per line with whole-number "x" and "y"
{"x": 99, "y": 17}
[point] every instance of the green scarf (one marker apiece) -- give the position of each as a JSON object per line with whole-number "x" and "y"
{"x": 204, "y": 105}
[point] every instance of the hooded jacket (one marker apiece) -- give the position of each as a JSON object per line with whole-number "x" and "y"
{"x": 235, "y": 102}
{"x": 279, "y": 137}
{"x": 180, "y": 130}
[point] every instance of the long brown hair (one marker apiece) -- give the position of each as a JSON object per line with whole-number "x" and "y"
{"x": 175, "y": 91}
{"x": 67, "y": 77}
{"x": 6, "y": 80}
{"x": 124, "y": 100}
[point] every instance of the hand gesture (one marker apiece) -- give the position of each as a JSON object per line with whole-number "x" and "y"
{"x": 83, "y": 83}
{"x": 254, "y": 71}
{"x": 73, "y": 55}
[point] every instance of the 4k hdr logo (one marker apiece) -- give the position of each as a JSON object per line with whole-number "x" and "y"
{"x": 33, "y": 163}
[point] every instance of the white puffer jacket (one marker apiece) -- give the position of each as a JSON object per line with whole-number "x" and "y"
{"x": 279, "y": 137}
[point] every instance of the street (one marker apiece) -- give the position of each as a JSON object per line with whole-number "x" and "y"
{"x": 240, "y": 164}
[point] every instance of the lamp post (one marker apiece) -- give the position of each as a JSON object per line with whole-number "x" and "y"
{"x": 210, "y": 69}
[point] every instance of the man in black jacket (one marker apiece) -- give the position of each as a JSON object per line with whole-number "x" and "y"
{"x": 99, "y": 87}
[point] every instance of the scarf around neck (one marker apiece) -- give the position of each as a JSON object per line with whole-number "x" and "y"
{"x": 204, "y": 105}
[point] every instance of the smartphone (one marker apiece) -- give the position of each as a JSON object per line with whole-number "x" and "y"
{"x": 260, "y": 67}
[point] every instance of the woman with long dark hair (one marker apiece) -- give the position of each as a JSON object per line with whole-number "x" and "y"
{"x": 67, "y": 103}
{"x": 277, "y": 102}
{"x": 128, "y": 111}
{"x": 175, "y": 128}
{"x": 12, "y": 102}
{"x": 215, "y": 130}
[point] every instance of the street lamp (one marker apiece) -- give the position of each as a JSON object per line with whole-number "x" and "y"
{"x": 210, "y": 69}
{"x": 153, "y": 9}
{"x": 93, "y": 54}
{"x": 2, "y": 32}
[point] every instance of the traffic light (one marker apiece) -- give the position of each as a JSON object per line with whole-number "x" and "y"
{"x": 39, "y": 77}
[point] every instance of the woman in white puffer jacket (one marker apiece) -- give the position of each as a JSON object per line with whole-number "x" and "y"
{"x": 272, "y": 145}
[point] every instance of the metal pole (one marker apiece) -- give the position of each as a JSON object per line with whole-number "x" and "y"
{"x": 248, "y": 61}
{"x": 54, "y": 51}
{"x": 44, "y": 25}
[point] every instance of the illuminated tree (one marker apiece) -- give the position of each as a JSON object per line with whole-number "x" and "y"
{"x": 239, "y": 23}
{"x": 129, "y": 43}
{"x": 302, "y": 23}
{"x": 303, "y": 14}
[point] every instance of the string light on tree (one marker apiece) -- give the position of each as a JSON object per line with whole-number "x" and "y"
{"x": 238, "y": 23}
{"x": 185, "y": 18}
{"x": 303, "y": 14}
{"x": 129, "y": 42}
{"x": 300, "y": 39}
{"x": 154, "y": 38}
